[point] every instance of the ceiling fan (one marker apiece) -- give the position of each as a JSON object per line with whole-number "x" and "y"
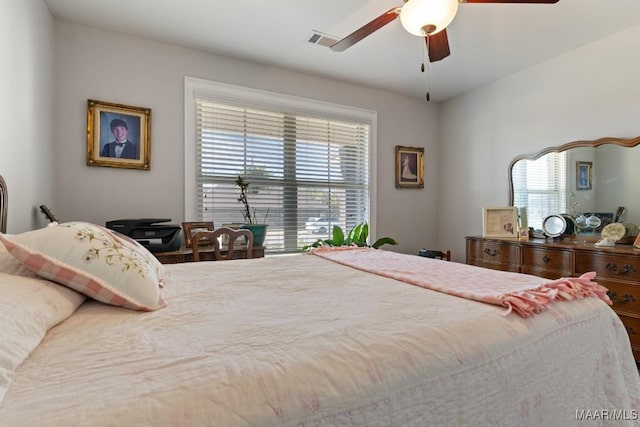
{"x": 424, "y": 18}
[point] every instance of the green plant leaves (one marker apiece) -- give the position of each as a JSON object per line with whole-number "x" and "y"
{"x": 358, "y": 236}
{"x": 384, "y": 241}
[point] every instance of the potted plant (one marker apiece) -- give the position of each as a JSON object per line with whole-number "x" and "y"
{"x": 358, "y": 236}
{"x": 249, "y": 214}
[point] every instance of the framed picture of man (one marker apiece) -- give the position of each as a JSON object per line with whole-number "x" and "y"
{"x": 118, "y": 135}
{"x": 409, "y": 167}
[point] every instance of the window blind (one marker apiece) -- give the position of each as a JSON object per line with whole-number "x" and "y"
{"x": 541, "y": 187}
{"x": 303, "y": 169}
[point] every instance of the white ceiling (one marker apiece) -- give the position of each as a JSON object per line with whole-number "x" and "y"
{"x": 488, "y": 41}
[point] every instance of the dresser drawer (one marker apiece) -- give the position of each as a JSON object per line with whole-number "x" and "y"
{"x": 625, "y": 297}
{"x": 620, "y": 267}
{"x": 479, "y": 262}
{"x": 494, "y": 251}
{"x": 546, "y": 262}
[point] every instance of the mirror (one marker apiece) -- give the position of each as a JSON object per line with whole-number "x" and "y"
{"x": 585, "y": 179}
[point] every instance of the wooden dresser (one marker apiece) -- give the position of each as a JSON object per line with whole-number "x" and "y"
{"x": 617, "y": 268}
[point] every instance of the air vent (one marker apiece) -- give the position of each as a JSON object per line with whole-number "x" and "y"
{"x": 316, "y": 37}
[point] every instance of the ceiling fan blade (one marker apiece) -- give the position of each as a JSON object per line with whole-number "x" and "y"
{"x": 365, "y": 30}
{"x": 438, "y": 45}
{"x": 509, "y": 1}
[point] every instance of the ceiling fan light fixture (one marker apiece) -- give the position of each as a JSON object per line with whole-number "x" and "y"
{"x": 427, "y": 17}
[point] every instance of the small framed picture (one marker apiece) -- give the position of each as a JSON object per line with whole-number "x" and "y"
{"x": 191, "y": 228}
{"x": 636, "y": 243}
{"x": 409, "y": 167}
{"x": 523, "y": 234}
{"x": 500, "y": 222}
{"x": 118, "y": 135}
{"x": 584, "y": 172}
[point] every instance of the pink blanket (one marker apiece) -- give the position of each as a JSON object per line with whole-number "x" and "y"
{"x": 522, "y": 293}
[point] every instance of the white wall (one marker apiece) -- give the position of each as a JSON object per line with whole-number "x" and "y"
{"x": 589, "y": 93}
{"x": 106, "y": 66}
{"x": 26, "y": 82}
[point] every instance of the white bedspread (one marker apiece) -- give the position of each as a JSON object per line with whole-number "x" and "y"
{"x": 299, "y": 340}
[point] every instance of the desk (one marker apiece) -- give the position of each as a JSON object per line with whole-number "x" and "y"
{"x": 206, "y": 254}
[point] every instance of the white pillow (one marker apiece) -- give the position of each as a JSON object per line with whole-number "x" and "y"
{"x": 29, "y": 307}
{"x": 10, "y": 265}
{"x": 100, "y": 263}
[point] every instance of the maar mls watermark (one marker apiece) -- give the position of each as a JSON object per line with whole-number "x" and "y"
{"x": 607, "y": 414}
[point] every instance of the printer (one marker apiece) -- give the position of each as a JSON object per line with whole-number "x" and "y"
{"x": 150, "y": 233}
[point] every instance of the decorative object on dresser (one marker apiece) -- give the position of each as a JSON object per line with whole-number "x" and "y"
{"x": 118, "y": 135}
{"x": 500, "y": 222}
{"x": 617, "y": 269}
{"x": 409, "y": 167}
{"x": 189, "y": 229}
{"x": 236, "y": 237}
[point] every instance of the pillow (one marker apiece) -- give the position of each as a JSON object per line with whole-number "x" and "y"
{"x": 10, "y": 265}
{"x": 100, "y": 263}
{"x": 29, "y": 307}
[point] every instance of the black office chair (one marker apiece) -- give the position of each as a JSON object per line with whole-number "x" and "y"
{"x": 428, "y": 253}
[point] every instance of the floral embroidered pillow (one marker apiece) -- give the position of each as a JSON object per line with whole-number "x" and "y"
{"x": 100, "y": 263}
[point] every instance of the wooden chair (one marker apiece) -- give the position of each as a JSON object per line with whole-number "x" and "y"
{"x": 3, "y": 205}
{"x": 202, "y": 238}
{"x": 446, "y": 256}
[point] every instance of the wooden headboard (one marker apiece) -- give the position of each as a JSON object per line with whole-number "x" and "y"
{"x": 3, "y": 205}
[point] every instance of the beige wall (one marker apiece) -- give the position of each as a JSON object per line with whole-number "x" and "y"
{"x": 588, "y": 93}
{"x": 96, "y": 64}
{"x": 26, "y": 88}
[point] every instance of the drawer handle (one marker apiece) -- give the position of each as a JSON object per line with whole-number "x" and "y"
{"x": 630, "y": 330}
{"x": 492, "y": 252}
{"x": 626, "y": 268}
{"x": 625, "y": 298}
{"x": 546, "y": 259}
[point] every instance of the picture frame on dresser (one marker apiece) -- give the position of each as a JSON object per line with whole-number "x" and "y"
{"x": 118, "y": 135}
{"x": 636, "y": 243}
{"x": 409, "y": 167}
{"x": 500, "y": 221}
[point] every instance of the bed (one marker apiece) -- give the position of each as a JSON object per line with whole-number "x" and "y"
{"x": 298, "y": 340}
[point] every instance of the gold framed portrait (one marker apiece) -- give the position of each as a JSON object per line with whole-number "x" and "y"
{"x": 409, "y": 167}
{"x": 118, "y": 136}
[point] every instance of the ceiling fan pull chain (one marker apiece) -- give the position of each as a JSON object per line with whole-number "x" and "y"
{"x": 427, "y": 50}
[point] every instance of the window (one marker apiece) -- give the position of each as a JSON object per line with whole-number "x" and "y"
{"x": 541, "y": 187}
{"x": 308, "y": 163}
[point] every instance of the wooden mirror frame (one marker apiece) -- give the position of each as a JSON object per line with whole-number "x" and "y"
{"x": 623, "y": 142}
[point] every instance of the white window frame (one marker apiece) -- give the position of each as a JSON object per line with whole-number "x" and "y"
{"x": 195, "y": 87}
